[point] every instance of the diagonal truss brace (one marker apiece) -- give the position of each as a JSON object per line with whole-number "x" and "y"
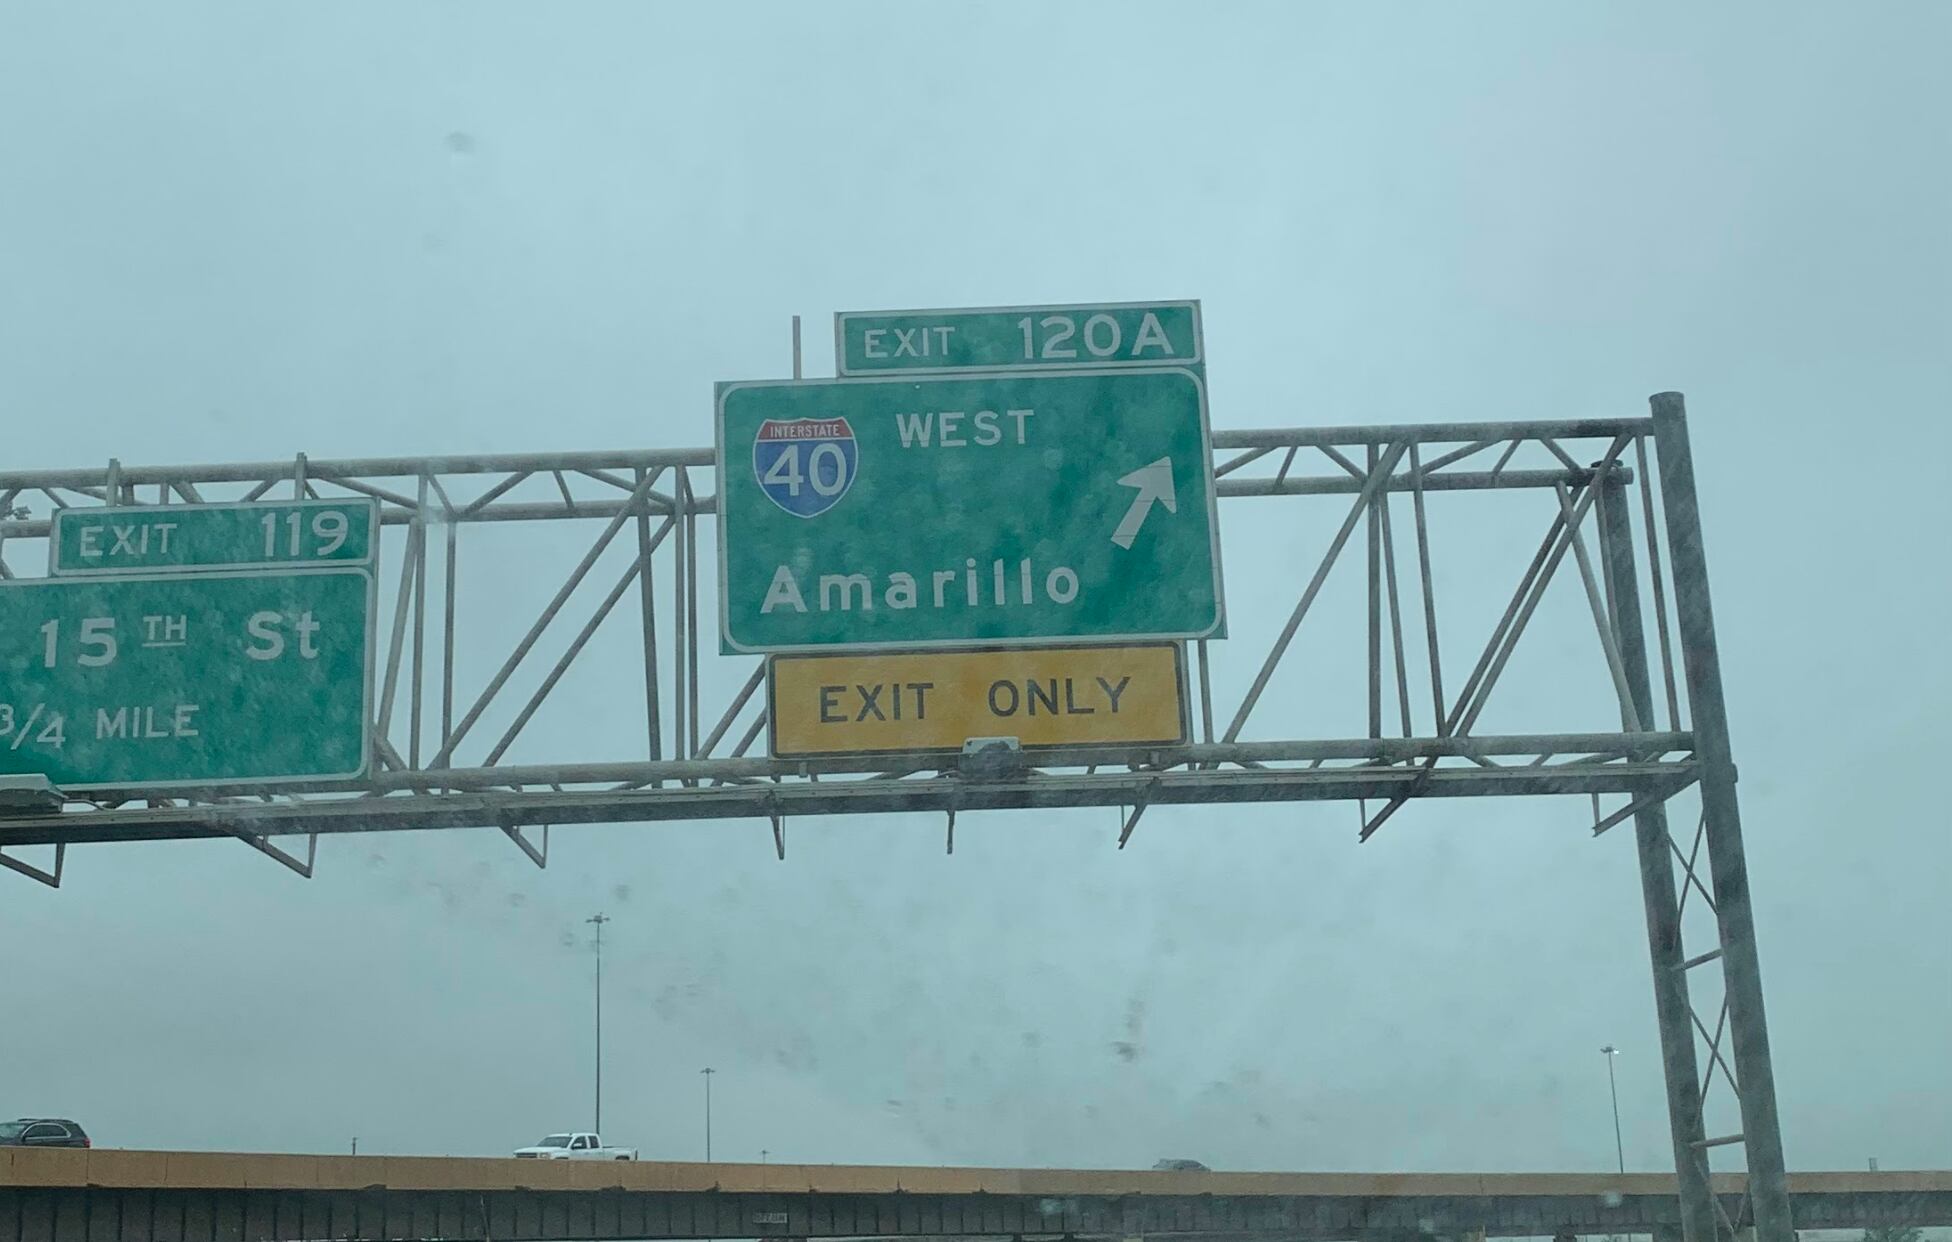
{"x": 1140, "y": 800}
{"x": 262, "y": 844}
{"x": 50, "y": 878}
{"x": 1715, "y": 1060}
{"x": 540, "y": 857}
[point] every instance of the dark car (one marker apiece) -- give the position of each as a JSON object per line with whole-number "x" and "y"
{"x": 42, "y": 1132}
{"x": 1181, "y": 1166}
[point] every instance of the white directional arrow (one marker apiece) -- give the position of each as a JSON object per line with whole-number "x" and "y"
{"x": 1155, "y": 482}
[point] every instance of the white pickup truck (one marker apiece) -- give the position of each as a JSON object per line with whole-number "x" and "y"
{"x": 575, "y": 1145}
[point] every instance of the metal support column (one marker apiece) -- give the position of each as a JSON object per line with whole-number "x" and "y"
{"x": 1657, "y": 889}
{"x": 1375, "y": 541}
{"x": 1741, "y": 967}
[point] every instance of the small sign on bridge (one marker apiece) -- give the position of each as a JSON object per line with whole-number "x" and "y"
{"x": 932, "y": 702}
{"x": 193, "y": 538}
{"x": 1018, "y": 338}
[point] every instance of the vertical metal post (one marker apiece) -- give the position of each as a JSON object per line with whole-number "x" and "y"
{"x": 1654, "y": 576}
{"x": 680, "y": 496}
{"x": 1374, "y": 532}
{"x": 449, "y": 571}
{"x": 402, "y": 599}
{"x": 1395, "y": 615}
{"x": 691, "y": 618}
{"x": 599, "y": 919}
{"x": 1206, "y": 697}
{"x": 1741, "y": 965}
{"x": 648, "y": 601}
{"x": 1613, "y": 1089}
{"x": 419, "y": 631}
{"x": 1429, "y": 593}
{"x": 1657, "y": 892}
{"x": 708, "y": 1071}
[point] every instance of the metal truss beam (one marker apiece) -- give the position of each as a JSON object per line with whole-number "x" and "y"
{"x": 367, "y": 467}
{"x": 738, "y": 797}
{"x": 482, "y": 510}
{"x": 593, "y": 463}
{"x": 542, "y": 487}
{"x": 1382, "y": 752}
{"x": 1480, "y": 433}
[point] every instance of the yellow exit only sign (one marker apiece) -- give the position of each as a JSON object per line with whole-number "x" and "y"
{"x": 936, "y": 700}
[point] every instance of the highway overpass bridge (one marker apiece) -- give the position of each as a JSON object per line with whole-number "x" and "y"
{"x": 153, "y": 1196}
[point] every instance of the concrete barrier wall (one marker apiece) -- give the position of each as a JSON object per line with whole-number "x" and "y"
{"x": 21, "y": 1166}
{"x": 111, "y": 1196}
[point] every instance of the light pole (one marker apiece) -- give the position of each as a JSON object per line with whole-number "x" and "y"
{"x": 1619, "y": 1149}
{"x": 599, "y": 919}
{"x": 708, "y": 1071}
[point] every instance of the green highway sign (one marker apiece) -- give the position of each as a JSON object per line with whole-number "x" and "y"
{"x": 1016, "y": 509}
{"x": 159, "y": 681}
{"x": 1019, "y": 338}
{"x": 159, "y": 539}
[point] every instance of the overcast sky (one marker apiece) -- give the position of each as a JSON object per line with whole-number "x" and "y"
{"x": 237, "y": 232}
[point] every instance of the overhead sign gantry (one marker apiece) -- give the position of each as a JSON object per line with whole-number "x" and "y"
{"x": 1067, "y": 500}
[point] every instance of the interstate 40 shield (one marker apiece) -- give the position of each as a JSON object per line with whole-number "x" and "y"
{"x": 1011, "y": 508}
{"x": 805, "y": 465}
